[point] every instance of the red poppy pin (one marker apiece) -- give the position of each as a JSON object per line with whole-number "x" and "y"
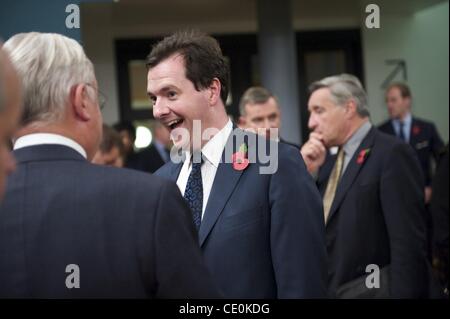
{"x": 240, "y": 160}
{"x": 416, "y": 130}
{"x": 362, "y": 156}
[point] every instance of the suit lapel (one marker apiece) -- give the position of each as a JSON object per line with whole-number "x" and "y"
{"x": 390, "y": 128}
{"x": 413, "y": 140}
{"x": 175, "y": 171}
{"x": 351, "y": 173}
{"x": 225, "y": 182}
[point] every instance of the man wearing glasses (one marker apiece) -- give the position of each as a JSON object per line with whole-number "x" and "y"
{"x": 72, "y": 229}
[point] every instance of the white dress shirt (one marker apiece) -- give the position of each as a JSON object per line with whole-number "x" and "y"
{"x": 407, "y": 122}
{"x": 47, "y": 138}
{"x": 212, "y": 155}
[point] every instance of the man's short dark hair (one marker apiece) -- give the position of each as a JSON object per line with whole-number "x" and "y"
{"x": 202, "y": 55}
{"x": 254, "y": 95}
{"x": 403, "y": 88}
{"x": 126, "y": 126}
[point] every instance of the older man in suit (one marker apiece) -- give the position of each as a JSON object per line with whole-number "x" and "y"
{"x": 372, "y": 195}
{"x": 10, "y": 108}
{"x": 261, "y": 234}
{"x": 72, "y": 229}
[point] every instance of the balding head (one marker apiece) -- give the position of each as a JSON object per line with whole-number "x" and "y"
{"x": 10, "y": 109}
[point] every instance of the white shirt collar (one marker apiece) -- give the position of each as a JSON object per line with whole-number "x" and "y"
{"x": 47, "y": 138}
{"x": 213, "y": 149}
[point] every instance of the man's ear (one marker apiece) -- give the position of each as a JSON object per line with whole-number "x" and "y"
{"x": 351, "y": 108}
{"x": 79, "y": 101}
{"x": 214, "y": 92}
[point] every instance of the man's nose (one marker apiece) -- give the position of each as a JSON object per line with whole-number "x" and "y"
{"x": 160, "y": 109}
{"x": 312, "y": 123}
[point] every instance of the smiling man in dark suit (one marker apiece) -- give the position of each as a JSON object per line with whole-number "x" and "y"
{"x": 72, "y": 229}
{"x": 420, "y": 134}
{"x": 372, "y": 194}
{"x": 262, "y": 235}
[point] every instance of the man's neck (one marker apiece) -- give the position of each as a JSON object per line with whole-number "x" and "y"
{"x": 46, "y": 128}
{"x": 403, "y": 117}
{"x": 355, "y": 127}
{"x": 218, "y": 124}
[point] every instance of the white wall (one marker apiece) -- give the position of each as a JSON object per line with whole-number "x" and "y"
{"x": 421, "y": 39}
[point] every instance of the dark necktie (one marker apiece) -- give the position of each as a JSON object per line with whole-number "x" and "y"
{"x": 194, "y": 193}
{"x": 401, "y": 134}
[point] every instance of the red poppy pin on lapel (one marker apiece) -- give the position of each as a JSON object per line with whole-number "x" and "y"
{"x": 362, "y": 156}
{"x": 240, "y": 160}
{"x": 416, "y": 130}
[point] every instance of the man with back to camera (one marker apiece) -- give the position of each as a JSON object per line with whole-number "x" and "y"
{"x": 10, "y": 109}
{"x": 123, "y": 234}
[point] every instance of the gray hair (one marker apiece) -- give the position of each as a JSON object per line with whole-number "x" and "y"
{"x": 254, "y": 95}
{"x": 49, "y": 65}
{"x": 344, "y": 87}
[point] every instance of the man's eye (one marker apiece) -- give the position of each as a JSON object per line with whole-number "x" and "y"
{"x": 319, "y": 111}
{"x": 171, "y": 94}
{"x": 153, "y": 99}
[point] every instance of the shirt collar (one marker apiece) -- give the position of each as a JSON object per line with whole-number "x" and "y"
{"x": 47, "y": 138}
{"x": 355, "y": 140}
{"x": 213, "y": 149}
{"x": 406, "y": 121}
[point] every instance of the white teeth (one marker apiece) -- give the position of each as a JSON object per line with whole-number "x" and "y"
{"x": 172, "y": 123}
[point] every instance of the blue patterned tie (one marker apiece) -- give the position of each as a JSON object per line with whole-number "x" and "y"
{"x": 194, "y": 193}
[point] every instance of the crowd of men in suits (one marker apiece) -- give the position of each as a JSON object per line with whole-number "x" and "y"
{"x": 348, "y": 204}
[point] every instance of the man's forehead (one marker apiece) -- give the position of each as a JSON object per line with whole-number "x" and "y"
{"x": 261, "y": 108}
{"x": 172, "y": 66}
{"x": 393, "y": 91}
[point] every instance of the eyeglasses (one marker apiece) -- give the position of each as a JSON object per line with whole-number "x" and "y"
{"x": 100, "y": 96}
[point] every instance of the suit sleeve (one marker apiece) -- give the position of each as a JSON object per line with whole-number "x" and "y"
{"x": 436, "y": 142}
{"x": 297, "y": 233}
{"x": 402, "y": 200}
{"x": 180, "y": 270}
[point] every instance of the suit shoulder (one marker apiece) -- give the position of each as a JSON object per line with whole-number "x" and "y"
{"x": 384, "y": 125}
{"x": 426, "y": 126}
{"x": 164, "y": 171}
{"x": 387, "y": 140}
{"x": 423, "y": 122}
{"x": 125, "y": 178}
{"x": 390, "y": 145}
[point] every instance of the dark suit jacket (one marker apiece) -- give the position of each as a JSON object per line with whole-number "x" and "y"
{"x": 262, "y": 235}
{"x": 377, "y": 217}
{"x": 149, "y": 159}
{"x": 130, "y": 233}
{"x": 439, "y": 206}
{"x": 424, "y": 139}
